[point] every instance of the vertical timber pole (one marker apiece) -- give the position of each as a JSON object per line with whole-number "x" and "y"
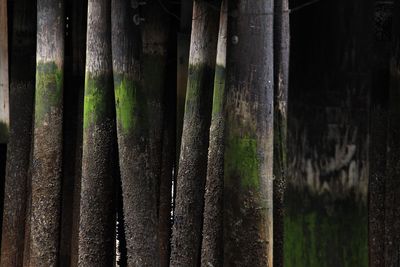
{"x": 248, "y": 183}
{"x": 47, "y": 142}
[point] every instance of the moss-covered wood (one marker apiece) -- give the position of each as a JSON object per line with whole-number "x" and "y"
{"x": 138, "y": 185}
{"x": 248, "y": 183}
{"x": 192, "y": 170}
{"x": 97, "y": 201}
{"x": 4, "y": 85}
{"x": 47, "y": 142}
{"x": 281, "y": 80}
{"x": 314, "y": 224}
{"x": 212, "y": 243}
{"x": 22, "y": 88}
{"x": 328, "y": 135}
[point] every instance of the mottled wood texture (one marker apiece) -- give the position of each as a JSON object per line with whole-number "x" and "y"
{"x": 212, "y": 243}
{"x": 47, "y": 141}
{"x": 97, "y": 201}
{"x": 192, "y": 169}
{"x": 248, "y": 181}
{"x": 328, "y": 121}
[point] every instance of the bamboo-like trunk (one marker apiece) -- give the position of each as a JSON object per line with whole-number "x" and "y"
{"x": 138, "y": 186}
{"x": 97, "y": 202}
{"x": 248, "y": 183}
{"x": 4, "y": 86}
{"x": 47, "y": 142}
{"x": 281, "y": 84}
{"x": 22, "y": 88}
{"x": 192, "y": 170}
{"x": 212, "y": 244}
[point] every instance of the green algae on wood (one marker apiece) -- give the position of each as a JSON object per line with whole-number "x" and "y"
{"x": 196, "y": 75}
{"x": 212, "y": 233}
{"x": 47, "y": 139}
{"x": 321, "y": 231}
{"x": 96, "y": 100}
{"x": 242, "y": 160}
{"x": 248, "y": 183}
{"x": 49, "y": 88}
{"x": 138, "y": 66}
{"x": 97, "y": 201}
{"x": 192, "y": 170}
{"x": 126, "y": 102}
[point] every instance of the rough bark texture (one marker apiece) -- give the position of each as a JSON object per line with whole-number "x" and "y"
{"x": 378, "y": 132}
{"x": 121, "y": 252}
{"x": 155, "y": 33}
{"x": 47, "y": 142}
{"x": 4, "y": 86}
{"x": 392, "y": 186}
{"x": 188, "y": 214}
{"x": 212, "y": 244}
{"x": 281, "y": 83}
{"x": 183, "y": 49}
{"x": 76, "y": 11}
{"x": 139, "y": 187}
{"x": 27, "y": 241}
{"x": 28, "y": 218}
{"x": 97, "y": 202}
{"x": 248, "y": 183}
{"x": 326, "y": 219}
{"x": 22, "y": 88}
